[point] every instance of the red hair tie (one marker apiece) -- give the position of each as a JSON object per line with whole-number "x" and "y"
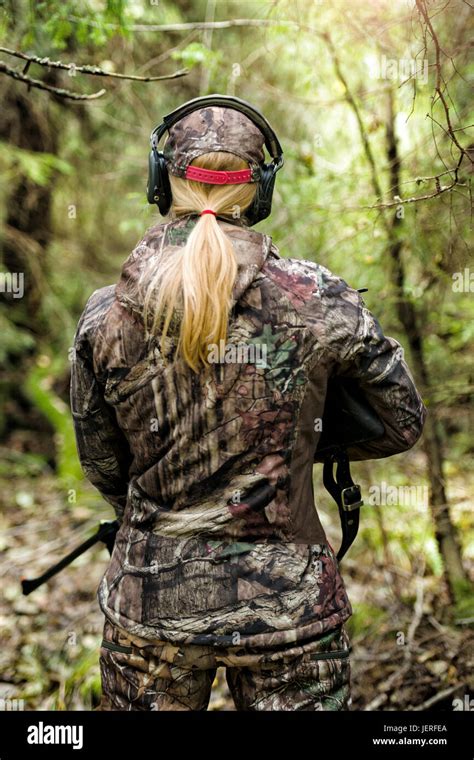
{"x": 208, "y": 211}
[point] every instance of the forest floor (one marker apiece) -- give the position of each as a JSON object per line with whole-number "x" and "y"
{"x": 407, "y": 653}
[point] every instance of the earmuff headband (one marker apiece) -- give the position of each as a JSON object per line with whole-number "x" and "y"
{"x": 159, "y": 190}
{"x": 226, "y": 101}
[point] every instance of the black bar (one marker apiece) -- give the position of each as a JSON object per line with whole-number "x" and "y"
{"x": 329, "y": 735}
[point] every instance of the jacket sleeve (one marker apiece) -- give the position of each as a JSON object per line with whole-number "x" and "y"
{"x": 103, "y": 450}
{"x": 363, "y": 353}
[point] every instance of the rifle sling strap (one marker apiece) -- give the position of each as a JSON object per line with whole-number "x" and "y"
{"x": 346, "y": 494}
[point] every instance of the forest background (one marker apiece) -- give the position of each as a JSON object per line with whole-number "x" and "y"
{"x": 372, "y": 105}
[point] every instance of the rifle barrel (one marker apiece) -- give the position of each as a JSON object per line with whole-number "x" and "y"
{"x": 106, "y": 529}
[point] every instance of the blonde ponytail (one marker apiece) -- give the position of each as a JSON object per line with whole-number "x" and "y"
{"x": 196, "y": 281}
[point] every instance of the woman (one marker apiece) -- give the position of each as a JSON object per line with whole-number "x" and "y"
{"x": 198, "y": 387}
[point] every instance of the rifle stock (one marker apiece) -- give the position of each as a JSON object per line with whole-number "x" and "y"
{"x": 348, "y": 419}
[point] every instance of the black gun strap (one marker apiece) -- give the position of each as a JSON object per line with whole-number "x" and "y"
{"x": 346, "y": 494}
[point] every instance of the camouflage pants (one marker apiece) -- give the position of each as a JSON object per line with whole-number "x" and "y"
{"x": 138, "y": 674}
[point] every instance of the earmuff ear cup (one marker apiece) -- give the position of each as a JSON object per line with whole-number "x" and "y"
{"x": 261, "y": 205}
{"x": 151, "y": 188}
{"x": 158, "y": 188}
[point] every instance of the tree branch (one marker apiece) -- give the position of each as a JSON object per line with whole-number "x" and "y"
{"x": 60, "y": 92}
{"x": 421, "y": 6}
{"x": 355, "y": 108}
{"x": 88, "y": 69}
{"x": 440, "y": 189}
{"x": 183, "y": 27}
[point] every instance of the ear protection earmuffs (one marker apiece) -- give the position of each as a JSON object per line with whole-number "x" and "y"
{"x": 159, "y": 190}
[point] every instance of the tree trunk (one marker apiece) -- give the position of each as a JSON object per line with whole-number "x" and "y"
{"x": 26, "y": 124}
{"x": 445, "y": 531}
{"x": 28, "y": 208}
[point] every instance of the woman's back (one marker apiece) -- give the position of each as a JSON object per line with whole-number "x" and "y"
{"x": 221, "y": 465}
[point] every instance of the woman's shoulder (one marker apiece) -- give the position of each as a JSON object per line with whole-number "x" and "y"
{"x": 97, "y": 307}
{"x": 309, "y": 276}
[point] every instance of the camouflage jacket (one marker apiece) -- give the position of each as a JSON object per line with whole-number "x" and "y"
{"x": 220, "y": 540}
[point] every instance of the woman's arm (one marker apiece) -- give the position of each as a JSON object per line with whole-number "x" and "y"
{"x": 375, "y": 361}
{"x": 103, "y": 450}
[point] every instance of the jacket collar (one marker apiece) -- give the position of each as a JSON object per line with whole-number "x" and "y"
{"x": 251, "y": 250}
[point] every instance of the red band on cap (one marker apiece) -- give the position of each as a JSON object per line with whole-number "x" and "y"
{"x": 218, "y": 177}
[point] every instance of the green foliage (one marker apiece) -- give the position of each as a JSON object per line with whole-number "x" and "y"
{"x": 39, "y": 168}
{"x": 366, "y": 618}
{"x": 60, "y": 24}
{"x": 15, "y": 340}
{"x": 196, "y": 53}
{"x": 83, "y": 677}
{"x": 38, "y": 386}
{"x": 19, "y": 466}
{"x": 464, "y": 601}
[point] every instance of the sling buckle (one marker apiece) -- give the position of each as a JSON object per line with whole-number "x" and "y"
{"x": 351, "y": 498}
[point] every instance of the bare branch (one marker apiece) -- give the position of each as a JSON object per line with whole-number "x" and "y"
{"x": 440, "y": 189}
{"x": 398, "y": 201}
{"x": 438, "y": 697}
{"x": 351, "y": 101}
{"x": 95, "y": 71}
{"x": 60, "y": 92}
{"x": 421, "y": 6}
{"x": 183, "y": 27}
{"x": 433, "y": 178}
{"x": 415, "y": 199}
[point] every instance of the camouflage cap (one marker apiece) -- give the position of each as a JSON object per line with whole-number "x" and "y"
{"x": 211, "y": 129}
